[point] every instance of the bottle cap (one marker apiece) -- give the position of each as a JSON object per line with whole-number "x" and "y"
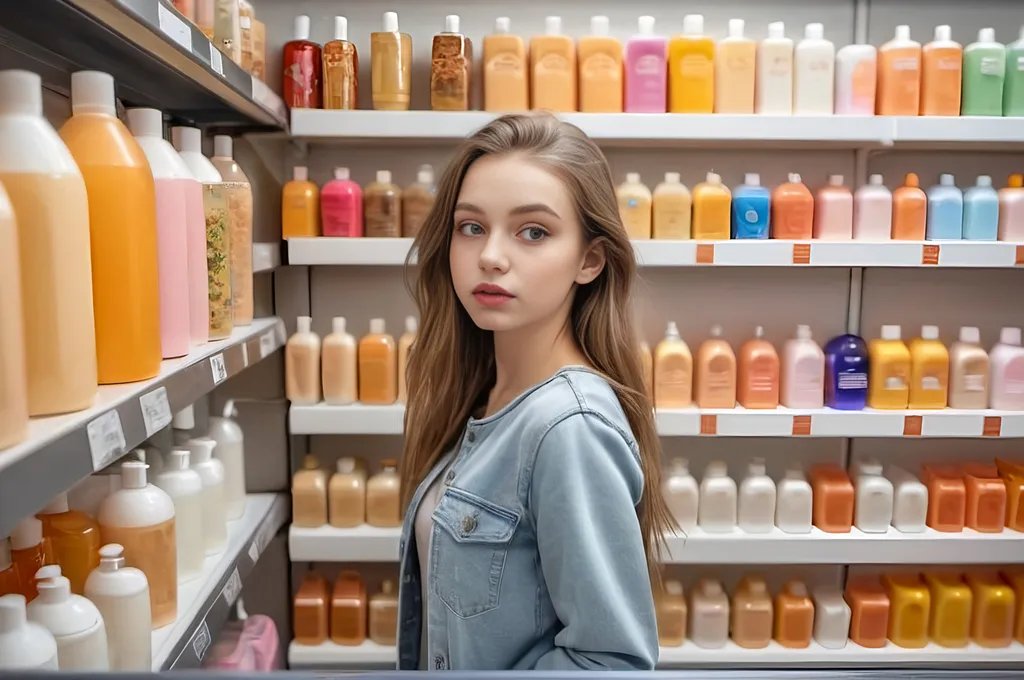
{"x": 21, "y": 92}
{"x": 1009, "y": 336}
{"x": 795, "y": 471}
{"x": 51, "y": 585}
{"x": 178, "y": 459}
{"x": 390, "y": 22}
{"x": 346, "y": 465}
{"x": 984, "y": 181}
{"x": 716, "y": 468}
{"x": 673, "y": 588}
{"x": 803, "y": 332}
{"x": 303, "y": 324}
{"x": 987, "y": 35}
{"x": 736, "y": 27}
{"x": 814, "y": 32}
{"x": 222, "y": 146}
{"x": 301, "y": 27}
{"x": 27, "y": 534}
{"x": 451, "y": 23}
{"x": 12, "y": 606}
{"x": 776, "y": 30}
{"x": 911, "y": 180}
{"x": 796, "y": 588}
{"x": 389, "y": 464}
{"x": 47, "y": 572}
{"x": 759, "y": 331}
{"x": 756, "y": 467}
{"x": 383, "y": 177}
{"x": 713, "y": 178}
{"x": 411, "y": 324}
{"x": 752, "y": 179}
{"x": 377, "y": 326}
{"x": 310, "y": 462}
{"x": 680, "y": 465}
{"x": 341, "y": 173}
{"x": 112, "y": 557}
{"x": 188, "y": 139}
{"x": 338, "y": 325}
{"x": 875, "y": 180}
{"x": 92, "y": 92}
{"x": 890, "y": 332}
{"x": 870, "y": 466}
{"x": 672, "y": 331}
{"x": 502, "y": 25}
{"x": 794, "y": 178}
{"x": 903, "y": 32}
{"x": 145, "y": 122}
{"x": 646, "y": 25}
{"x": 930, "y": 332}
{"x": 693, "y": 24}
{"x": 300, "y": 173}
{"x": 756, "y": 585}
{"x": 133, "y": 475}
{"x": 58, "y": 505}
{"x": 185, "y": 419}
{"x": 553, "y": 25}
{"x": 947, "y": 180}
{"x": 340, "y": 28}
{"x": 1015, "y": 181}
{"x": 970, "y": 334}
{"x": 943, "y": 33}
{"x": 599, "y": 26}
{"x": 716, "y": 331}
{"x": 835, "y": 180}
{"x": 201, "y": 449}
{"x": 425, "y": 175}
{"x": 672, "y": 178}
{"x": 710, "y": 587}
{"x": 633, "y": 178}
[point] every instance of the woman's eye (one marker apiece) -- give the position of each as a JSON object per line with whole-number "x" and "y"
{"x": 471, "y": 229}
{"x": 534, "y": 233}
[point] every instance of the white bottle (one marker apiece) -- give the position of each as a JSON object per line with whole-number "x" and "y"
{"x": 831, "y": 618}
{"x": 814, "y": 64}
{"x": 709, "y": 615}
{"x": 681, "y": 494}
{"x": 795, "y": 503}
{"x": 339, "y": 352}
{"x": 734, "y": 82}
{"x": 910, "y": 500}
{"x": 121, "y": 594}
{"x": 803, "y": 372}
{"x": 211, "y": 471}
{"x": 873, "y": 496}
{"x": 185, "y": 488}
{"x": 856, "y": 80}
{"x": 717, "y": 508}
{"x": 189, "y": 143}
{"x": 74, "y": 622}
{"x": 24, "y": 645}
{"x": 1006, "y": 369}
{"x": 183, "y": 423}
{"x": 230, "y": 451}
{"x": 872, "y": 211}
{"x": 757, "y": 500}
{"x": 773, "y": 89}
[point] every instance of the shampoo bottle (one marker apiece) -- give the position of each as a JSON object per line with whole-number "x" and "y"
{"x": 301, "y": 68}
{"x": 238, "y": 192}
{"x": 735, "y": 66}
{"x": 382, "y": 207}
{"x": 1007, "y": 372}
{"x": 994, "y": 607}
{"x": 1013, "y": 85}
{"x": 681, "y": 494}
{"x": 346, "y": 491}
{"x": 873, "y": 504}
{"x": 71, "y": 539}
{"x": 929, "y": 370}
{"x": 792, "y": 210}
{"x": 910, "y": 500}
{"x": 712, "y": 201}
{"x": 941, "y": 68}
{"x": 450, "y": 66}
{"x": 794, "y": 616}
{"x": 378, "y": 366}
{"x": 751, "y": 209}
{"x": 1011, "y": 207}
{"x": 383, "y": 618}
{"x": 833, "y": 496}
{"x": 831, "y": 618}
{"x": 709, "y": 615}
{"x": 899, "y": 76}
{"x": 300, "y": 206}
{"x": 553, "y": 68}
{"x": 803, "y": 372}
{"x": 635, "y": 206}
{"x": 227, "y": 435}
{"x": 794, "y": 507}
{"x": 758, "y": 373}
{"x": 340, "y": 69}
{"x": 390, "y": 66}
{"x": 968, "y": 371}
{"x": 671, "y": 211}
{"x": 981, "y": 211}
{"x": 856, "y": 80}
{"x": 417, "y": 201}
{"x": 383, "y": 499}
{"x": 889, "y": 384}
{"x": 715, "y": 380}
{"x": 984, "y": 73}
{"x": 952, "y": 601}
{"x": 673, "y": 371}
{"x": 309, "y": 495}
{"x": 74, "y": 622}
{"x": 24, "y": 645}
{"x": 752, "y": 615}
{"x": 691, "y": 74}
{"x": 339, "y": 365}
{"x": 909, "y": 211}
{"x": 757, "y": 500}
{"x": 909, "y": 610}
{"x": 846, "y": 373}
{"x": 774, "y": 87}
{"x": 405, "y": 344}
{"x": 945, "y": 211}
{"x": 670, "y": 611}
{"x": 211, "y": 471}
{"x": 873, "y": 211}
{"x": 121, "y": 594}
{"x": 185, "y": 487}
{"x": 716, "y": 513}
{"x": 302, "y": 364}
{"x": 814, "y": 73}
{"x": 833, "y": 211}
{"x": 645, "y": 70}
{"x": 506, "y": 87}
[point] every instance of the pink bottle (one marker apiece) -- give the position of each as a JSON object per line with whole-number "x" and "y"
{"x": 872, "y": 211}
{"x": 803, "y": 371}
{"x": 833, "y": 211}
{"x": 1006, "y": 372}
{"x": 646, "y": 74}
{"x": 341, "y": 206}
{"x": 189, "y": 141}
{"x": 171, "y": 177}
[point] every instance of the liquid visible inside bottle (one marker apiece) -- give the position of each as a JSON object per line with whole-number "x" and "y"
{"x": 74, "y": 544}
{"x": 153, "y": 550}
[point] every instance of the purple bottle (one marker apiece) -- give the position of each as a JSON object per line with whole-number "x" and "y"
{"x": 646, "y": 70}
{"x": 846, "y": 373}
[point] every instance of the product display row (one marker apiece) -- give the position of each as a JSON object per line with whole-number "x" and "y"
{"x": 231, "y": 25}
{"x": 688, "y": 73}
{"x": 343, "y": 613}
{"x": 349, "y": 498}
{"x": 130, "y": 250}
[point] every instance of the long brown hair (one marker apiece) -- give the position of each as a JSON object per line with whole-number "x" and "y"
{"x": 452, "y": 366}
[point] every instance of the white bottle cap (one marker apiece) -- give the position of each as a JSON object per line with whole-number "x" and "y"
{"x": 984, "y": 181}
{"x": 599, "y": 26}
{"x": 412, "y": 324}
{"x": 752, "y": 179}
{"x": 711, "y": 587}
{"x": 672, "y": 178}
{"x": 890, "y": 332}
{"x": 145, "y": 122}
{"x": 346, "y": 464}
{"x": 947, "y": 180}
{"x": 970, "y": 334}
{"x": 340, "y": 28}
{"x": 21, "y": 92}
{"x": 680, "y": 465}
{"x": 92, "y": 92}
{"x": 794, "y": 178}
{"x": 300, "y": 173}
{"x": 797, "y": 588}
{"x": 28, "y": 533}
{"x": 943, "y": 33}
{"x": 187, "y": 139}
{"x": 222, "y": 146}
{"x": 713, "y": 178}
{"x": 341, "y": 173}
{"x": 1010, "y": 336}
{"x": 425, "y": 175}
{"x": 646, "y": 25}
{"x": 390, "y": 22}
{"x": 716, "y": 468}
{"x": 201, "y": 449}
{"x": 58, "y": 505}
{"x": 502, "y": 25}
{"x": 693, "y": 24}
{"x": 736, "y": 27}
{"x": 870, "y": 466}
{"x": 301, "y": 27}
{"x": 451, "y": 23}
{"x": 673, "y": 588}
{"x": 178, "y": 459}
{"x": 930, "y": 332}
{"x": 383, "y": 177}
{"x": 987, "y": 35}
{"x": 303, "y": 324}
{"x": 12, "y": 613}
{"x": 553, "y": 25}
{"x": 776, "y": 30}
{"x": 133, "y": 475}
{"x": 795, "y": 471}
{"x": 47, "y": 572}
{"x": 672, "y": 330}
{"x": 759, "y": 332}
{"x": 814, "y": 31}
{"x": 803, "y": 332}
{"x": 756, "y": 466}
{"x": 185, "y": 419}
{"x": 112, "y": 557}
{"x": 875, "y": 180}
{"x": 633, "y": 178}
{"x": 903, "y": 32}
{"x": 52, "y": 585}
{"x": 716, "y": 331}
{"x": 377, "y": 326}
{"x": 835, "y": 180}
{"x": 338, "y": 325}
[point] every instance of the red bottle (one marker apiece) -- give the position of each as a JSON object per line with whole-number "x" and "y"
{"x": 341, "y": 206}
{"x": 301, "y": 69}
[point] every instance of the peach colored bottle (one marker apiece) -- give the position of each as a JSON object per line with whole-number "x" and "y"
{"x": 794, "y": 616}
{"x": 833, "y": 211}
{"x": 792, "y": 210}
{"x": 952, "y": 601}
{"x": 673, "y": 371}
{"x": 947, "y": 497}
{"x": 670, "y": 608}
{"x": 752, "y": 614}
{"x": 735, "y": 58}
{"x": 506, "y": 86}
{"x": 338, "y": 365}
{"x": 1011, "y": 209}
{"x": 910, "y": 606}
{"x": 899, "y": 76}
{"x": 941, "y": 71}
{"x": 869, "y": 612}
{"x": 909, "y": 210}
{"x": 673, "y": 206}
{"x": 600, "y": 64}
{"x": 311, "y": 610}
{"x": 346, "y": 495}
{"x": 995, "y": 605}
{"x": 872, "y": 211}
{"x": 384, "y": 614}
{"x": 986, "y": 498}
{"x": 300, "y": 206}
{"x": 553, "y": 68}
{"x": 405, "y": 344}
{"x": 709, "y": 614}
{"x": 13, "y": 383}
{"x": 70, "y": 539}
{"x": 378, "y": 366}
{"x": 1013, "y": 477}
{"x": 758, "y": 373}
{"x": 929, "y": 370}
{"x": 348, "y": 610}
{"x": 635, "y": 203}
{"x": 968, "y": 371}
{"x": 302, "y": 364}
{"x": 309, "y": 494}
{"x": 833, "y": 496}
{"x": 383, "y": 498}
{"x": 715, "y": 372}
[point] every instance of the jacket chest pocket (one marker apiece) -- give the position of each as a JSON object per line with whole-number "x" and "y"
{"x": 469, "y": 544}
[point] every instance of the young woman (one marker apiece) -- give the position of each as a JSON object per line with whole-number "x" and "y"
{"x": 531, "y": 467}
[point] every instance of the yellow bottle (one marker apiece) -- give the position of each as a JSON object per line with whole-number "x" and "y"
{"x": 673, "y": 371}
{"x": 672, "y": 206}
{"x": 553, "y": 68}
{"x": 600, "y": 62}
{"x": 122, "y": 228}
{"x": 506, "y": 87}
{"x": 952, "y": 600}
{"x": 712, "y": 201}
{"x": 691, "y": 70}
{"x": 929, "y": 370}
{"x": 1016, "y": 581}
{"x": 300, "y": 206}
{"x": 994, "y": 608}
{"x": 635, "y": 206}
{"x": 889, "y": 361}
{"x": 734, "y": 71}
{"x": 909, "y": 609}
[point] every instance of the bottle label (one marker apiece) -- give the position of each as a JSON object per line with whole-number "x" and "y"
{"x": 820, "y": 65}
{"x": 992, "y": 66}
{"x": 601, "y": 66}
{"x": 781, "y": 66}
{"x": 974, "y": 382}
{"x": 852, "y": 381}
{"x": 552, "y": 63}
{"x": 696, "y": 67}
{"x": 750, "y": 216}
{"x": 648, "y": 65}
{"x": 507, "y": 62}
{"x": 906, "y": 64}
{"x": 948, "y": 64}
{"x": 894, "y": 382}
{"x": 931, "y": 382}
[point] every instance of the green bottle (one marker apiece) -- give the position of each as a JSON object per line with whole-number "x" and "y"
{"x": 1013, "y": 90}
{"x": 984, "y": 71}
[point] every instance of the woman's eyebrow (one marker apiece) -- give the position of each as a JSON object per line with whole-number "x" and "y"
{"x": 519, "y": 210}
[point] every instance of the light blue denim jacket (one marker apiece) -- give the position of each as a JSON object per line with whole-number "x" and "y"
{"x": 536, "y": 558}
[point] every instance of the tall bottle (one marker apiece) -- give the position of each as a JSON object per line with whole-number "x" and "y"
{"x": 600, "y": 62}
{"x": 72, "y": 539}
{"x": 691, "y": 73}
{"x": 856, "y": 80}
{"x": 735, "y": 59}
{"x": 635, "y": 206}
{"x": 391, "y": 66}
{"x": 792, "y": 210}
{"x": 833, "y": 211}
{"x": 417, "y": 201}
{"x": 238, "y": 192}
{"x": 302, "y": 68}
{"x": 909, "y": 210}
{"x": 758, "y": 373}
{"x": 185, "y": 487}
{"x": 382, "y": 207}
{"x": 227, "y": 434}
{"x": 1011, "y": 208}
{"x": 712, "y": 202}
{"x": 899, "y": 76}
{"x": 873, "y": 211}
{"x": 646, "y": 69}
{"x": 302, "y": 364}
{"x": 945, "y": 211}
{"x": 346, "y": 491}
{"x": 968, "y": 371}
{"x": 929, "y": 370}
{"x": 215, "y": 511}
{"x": 1007, "y": 371}
{"x": 889, "y": 385}
{"x": 846, "y": 373}
{"x": 715, "y": 373}
{"x": 506, "y": 87}
{"x": 803, "y": 372}
{"x": 24, "y": 645}
{"x": 338, "y": 360}
{"x": 74, "y": 622}
{"x": 451, "y": 64}
{"x": 773, "y": 93}
{"x": 140, "y": 517}
{"x": 378, "y": 366}
{"x": 227, "y": 29}
{"x": 681, "y": 494}
{"x": 553, "y": 68}
{"x": 405, "y": 345}
{"x": 13, "y": 384}
{"x": 300, "y": 206}
{"x": 981, "y": 211}
{"x": 1013, "y": 85}
{"x": 309, "y": 494}
{"x": 984, "y": 73}
{"x": 383, "y": 498}
{"x": 340, "y": 69}
{"x": 673, "y": 371}
{"x": 246, "y": 17}
{"x": 814, "y": 64}
{"x": 941, "y": 69}
{"x": 751, "y": 209}
{"x": 27, "y": 554}
{"x": 121, "y": 594}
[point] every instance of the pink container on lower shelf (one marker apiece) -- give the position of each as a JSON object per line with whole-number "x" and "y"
{"x": 249, "y": 645}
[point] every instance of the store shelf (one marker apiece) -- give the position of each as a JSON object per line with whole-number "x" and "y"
{"x": 737, "y": 422}
{"x": 60, "y": 450}
{"x": 329, "y": 544}
{"x": 204, "y": 603}
{"x": 329, "y": 656}
{"x": 157, "y": 58}
{"x": 266, "y": 257}
{"x": 940, "y": 131}
{"x": 769, "y": 253}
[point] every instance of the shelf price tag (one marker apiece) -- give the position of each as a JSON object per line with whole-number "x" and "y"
{"x": 156, "y": 411}
{"x": 705, "y": 253}
{"x": 218, "y": 369}
{"x": 245, "y": 355}
{"x": 201, "y": 640}
{"x": 992, "y": 427}
{"x": 254, "y": 551}
{"x": 801, "y": 426}
{"x": 267, "y": 344}
{"x": 216, "y": 60}
{"x": 1018, "y": 258}
{"x": 174, "y": 27}
{"x": 233, "y": 587}
{"x": 801, "y": 253}
{"x": 106, "y": 439}
{"x": 929, "y": 254}
{"x": 709, "y": 424}
{"x": 912, "y": 426}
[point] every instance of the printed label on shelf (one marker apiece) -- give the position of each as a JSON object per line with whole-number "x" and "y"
{"x": 912, "y": 426}
{"x": 216, "y": 60}
{"x": 106, "y": 439}
{"x": 267, "y": 344}
{"x": 156, "y": 411}
{"x": 219, "y": 370}
{"x": 709, "y": 424}
{"x": 260, "y": 91}
{"x": 254, "y": 551}
{"x": 201, "y": 640}
{"x": 233, "y": 587}
{"x": 992, "y": 427}
{"x": 173, "y": 27}
{"x": 1019, "y": 259}
{"x": 705, "y": 253}
{"x": 801, "y": 253}
{"x": 929, "y": 254}
{"x": 801, "y": 426}
{"x": 245, "y": 355}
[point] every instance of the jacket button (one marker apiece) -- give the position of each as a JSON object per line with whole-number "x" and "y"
{"x": 439, "y": 663}
{"x": 450, "y": 477}
{"x": 468, "y": 524}
{"x": 471, "y": 437}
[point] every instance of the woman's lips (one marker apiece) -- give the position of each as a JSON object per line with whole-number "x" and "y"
{"x": 490, "y": 295}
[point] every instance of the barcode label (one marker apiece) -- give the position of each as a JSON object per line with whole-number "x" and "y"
{"x": 218, "y": 369}
{"x": 267, "y": 344}
{"x": 216, "y": 60}
{"x": 156, "y": 411}
{"x": 233, "y": 587}
{"x": 106, "y": 439}
{"x": 174, "y": 28}
{"x": 201, "y": 640}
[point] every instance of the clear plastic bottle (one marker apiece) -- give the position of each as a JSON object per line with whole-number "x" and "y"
{"x": 794, "y": 506}
{"x": 451, "y": 61}
{"x": 717, "y": 507}
{"x": 382, "y": 207}
{"x": 347, "y": 495}
{"x": 185, "y": 487}
{"x": 681, "y": 494}
{"x": 211, "y": 471}
{"x": 757, "y": 499}
{"x": 417, "y": 201}
{"x": 74, "y": 622}
{"x": 227, "y": 434}
{"x": 121, "y": 594}
{"x": 24, "y": 645}
{"x": 238, "y": 192}
{"x": 71, "y": 539}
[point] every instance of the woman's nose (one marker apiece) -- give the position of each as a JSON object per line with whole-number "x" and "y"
{"x": 493, "y": 256}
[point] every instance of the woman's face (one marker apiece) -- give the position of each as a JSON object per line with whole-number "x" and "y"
{"x": 517, "y": 246}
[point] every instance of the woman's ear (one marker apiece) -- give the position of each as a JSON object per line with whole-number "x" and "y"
{"x": 593, "y": 262}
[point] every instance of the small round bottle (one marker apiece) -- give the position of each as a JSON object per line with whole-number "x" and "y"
{"x": 24, "y": 645}
{"x": 211, "y": 471}
{"x": 121, "y": 594}
{"x": 74, "y": 622}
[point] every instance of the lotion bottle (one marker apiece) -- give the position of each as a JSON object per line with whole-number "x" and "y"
{"x": 672, "y": 208}
{"x": 774, "y": 85}
{"x": 230, "y": 451}
{"x": 121, "y": 594}
{"x": 981, "y": 211}
{"x": 553, "y": 69}
{"x": 378, "y": 366}
{"x": 831, "y": 618}
{"x": 185, "y": 487}
{"x": 302, "y": 68}
{"x": 74, "y": 622}
{"x": 506, "y": 86}
{"x": 751, "y": 209}
{"x": 24, "y": 645}
{"x": 735, "y": 66}
{"x": 1011, "y": 204}
{"x": 300, "y": 206}
{"x": 899, "y": 76}
{"x": 346, "y": 491}
{"x": 691, "y": 72}
{"x": 339, "y": 365}
{"x": 873, "y": 505}
{"x": 873, "y": 211}
{"x": 715, "y": 380}
{"x": 803, "y": 372}
{"x": 758, "y": 373}
{"x": 1013, "y": 85}
{"x": 929, "y": 370}
{"x": 417, "y": 201}
{"x": 681, "y": 494}
{"x": 71, "y": 539}
{"x": 814, "y": 73}
{"x": 941, "y": 70}
{"x": 889, "y": 358}
{"x": 646, "y": 76}
{"x": 792, "y": 210}
{"x": 984, "y": 75}
{"x": 1007, "y": 372}
{"x": 968, "y": 371}
{"x": 211, "y": 471}
{"x": 716, "y": 512}
{"x": 909, "y": 210}
{"x": 451, "y": 61}
{"x": 309, "y": 495}
{"x": 340, "y": 69}
{"x": 712, "y": 201}
{"x": 856, "y": 80}
{"x": 795, "y": 505}
{"x": 794, "y": 616}
{"x": 670, "y": 611}
{"x": 405, "y": 344}
{"x": 302, "y": 364}
{"x": 391, "y": 66}
{"x": 673, "y": 371}
{"x": 833, "y": 211}
{"x": 709, "y": 615}
{"x": 383, "y": 498}
{"x": 382, "y": 207}
{"x": 635, "y": 202}
{"x": 757, "y": 500}
{"x": 910, "y": 500}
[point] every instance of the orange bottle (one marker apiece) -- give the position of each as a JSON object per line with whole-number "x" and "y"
{"x": 1016, "y": 581}
{"x": 909, "y": 210}
{"x": 752, "y": 619}
{"x": 792, "y": 210}
{"x": 832, "y": 493}
{"x": 10, "y": 576}
{"x": 310, "y": 610}
{"x": 794, "y": 616}
{"x": 910, "y": 606}
{"x": 995, "y": 606}
{"x": 941, "y": 71}
{"x": 869, "y": 613}
{"x": 758, "y": 373}
{"x": 691, "y": 69}
{"x": 600, "y": 63}
{"x": 378, "y": 366}
{"x": 947, "y": 497}
{"x": 27, "y": 554}
{"x": 952, "y": 600}
{"x": 553, "y": 68}
{"x": 505, "y": 82}
{"x": 899, "y": 76}
{"x": 300, "y": 206}
{"x": 1013, "y": 477}
{"x": 348, "y": 610}
{"x": 715, "y": 373}
{"x": 670, "y": 607}
{"x": 986, "y": 498}
{"x": 72, "y": 540}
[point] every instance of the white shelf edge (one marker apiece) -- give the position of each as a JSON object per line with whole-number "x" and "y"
{"x": 328, "y": 544}
{"x": 266, "y": 257}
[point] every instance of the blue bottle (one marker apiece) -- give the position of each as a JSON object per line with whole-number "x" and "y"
{"x": 981, "y": 211}
{"x": 945, "y": 211}
{"x": 751, "y": 208}
{"x": 846, "y": 373}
